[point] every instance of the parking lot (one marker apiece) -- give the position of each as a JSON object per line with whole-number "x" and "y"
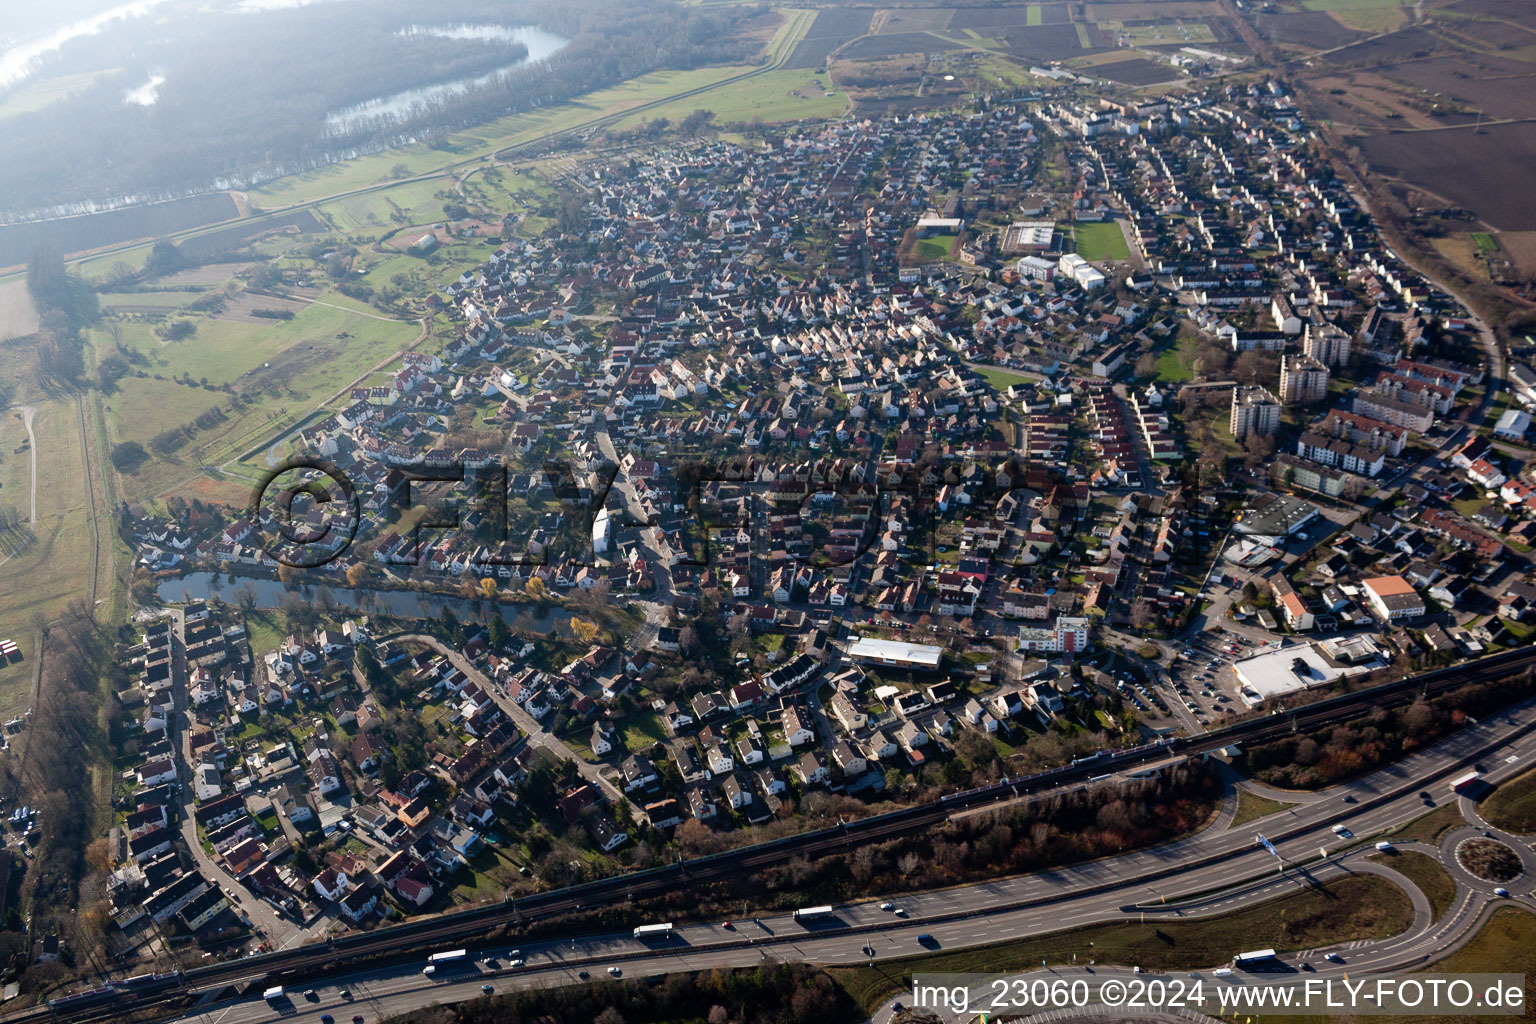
{"x": 1202, "y": 674}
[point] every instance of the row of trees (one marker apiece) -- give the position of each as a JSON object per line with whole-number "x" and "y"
{"x": 66, "y": 306}
{"x": 1346, "y": 751}
{"x": 780, "y": 994}
{"x": 68, "y": 731}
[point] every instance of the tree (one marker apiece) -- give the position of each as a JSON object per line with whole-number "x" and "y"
{"x": 1257, "y": 449}
{"x": 129, "y": 457}
{"x": 164, "y": 258}
{"x": 535, "y": 588}
{"x": 488, "y": 588}
{"x": 584, "y": 630}
{"x": 1256, "y": 366}
{"x": 609, "y": 1016}
{"x": 1146, "y": 366}
{"x": 356, "y": 573}
{"x": 695, "y": 122}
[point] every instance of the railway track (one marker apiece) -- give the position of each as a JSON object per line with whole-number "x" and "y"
{"x": 405, "y": 941}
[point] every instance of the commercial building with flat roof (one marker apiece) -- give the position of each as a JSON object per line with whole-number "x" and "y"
{"x": 1300, "y": 667}
{"x": 1275, "y": 516}
{"x": 897, "y": 653}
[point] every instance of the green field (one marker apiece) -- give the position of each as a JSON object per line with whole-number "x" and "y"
{"x": 1168, "y": 33}
{"x": 291, "y": 366}
{"x": 1174, "y": 365}
{"x": 1101, "y": 241}
{"x": 410, "y": 202}
{"x": 772, "y": 96}
{"x": 1427, "y": 828}
{"x": 1485, "y": 242}
{"x": 1002, "y": 380}
{"x": 1365, "y": 15}
{"x": 1251, "y": 807}
{"x": 1512, "y": 806}
{"x": 1427, "y": 873}
{"x": 1348, "y": 908}
{"x": 1033, "y": 16}
{"x": 479, "y": 143}
{"x": 938, "y": 247}
{"x": 166, "y": 301}
{"x": 44, "y": 578}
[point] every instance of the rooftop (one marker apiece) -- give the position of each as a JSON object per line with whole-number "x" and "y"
{"x": 1299, "y": 667}
{"x": 1276, "y": 515}
{"x": 896, "y": 652}
{"x": 1390, "y": 586}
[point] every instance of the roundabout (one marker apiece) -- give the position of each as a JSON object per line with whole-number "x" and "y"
{"x": 1489, "y": 859}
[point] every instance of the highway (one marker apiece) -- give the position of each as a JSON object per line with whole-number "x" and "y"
{"x": 1222, "y": 864}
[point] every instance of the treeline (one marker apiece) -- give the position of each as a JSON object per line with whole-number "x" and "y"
{"x": 780, "y": 994}
{"x": 66, "y": 741}
{"x": 66, "y": 305}
{"x": 246, "y": 97}
{"x": 1046, "y": 832}
{"x": 1345, "y": 751}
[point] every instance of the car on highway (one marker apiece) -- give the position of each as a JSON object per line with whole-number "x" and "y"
{"x": 887, "y": 906}
{"x": 326, "y": 1018}
{"x": 583, "y": 975}
{"x": 357, "y": 1018}
{"x": 487, "y": 989}
{"x": 311, "y": 995}
{"x": 345, "y": 993}
{"x": 1333, "y": 958}
{"x": 615, "y": 971}
{"x": 1342, "y": 832}
{"x": 1501, "y": 892}
{"x": 727, "y": 926}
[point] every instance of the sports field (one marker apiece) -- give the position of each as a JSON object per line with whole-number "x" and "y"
{"x": 1101, "y": 241}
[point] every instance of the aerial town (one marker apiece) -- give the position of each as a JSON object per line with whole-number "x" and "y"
{"x": 772, "y": 499}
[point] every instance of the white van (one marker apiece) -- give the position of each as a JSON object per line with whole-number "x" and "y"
{"x": 1223, "y": 972}
{"x": 1384, "y": 846}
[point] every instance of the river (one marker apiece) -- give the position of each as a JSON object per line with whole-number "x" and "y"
{"x": 409, "y": 604}
{"x": 384, "y": 110}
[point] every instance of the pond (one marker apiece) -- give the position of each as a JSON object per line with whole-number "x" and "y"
{"x": 408, "y": 604}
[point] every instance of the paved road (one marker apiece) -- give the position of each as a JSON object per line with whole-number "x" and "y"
{"x": 537, "y": 735}
{"x": 998, "y": 910}
{"x": 278, "y": 930}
